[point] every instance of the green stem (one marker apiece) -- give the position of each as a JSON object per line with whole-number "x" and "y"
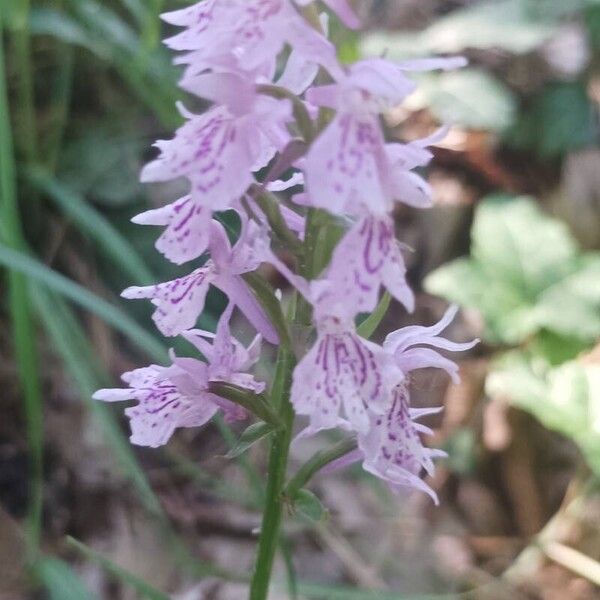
{"x": 304, "y": 122}
{"x": 22, "y": 323}
{"x": 269, "y": 204}
{"x": 254, "y": 403}
{"x": 278, "y": 457}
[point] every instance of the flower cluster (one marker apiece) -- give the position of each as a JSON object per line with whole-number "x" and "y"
{"x": 257, "y": 61}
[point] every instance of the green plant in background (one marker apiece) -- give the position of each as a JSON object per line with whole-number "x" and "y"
{"x": 547, "y": 118}
{"x": 538, "y": 295}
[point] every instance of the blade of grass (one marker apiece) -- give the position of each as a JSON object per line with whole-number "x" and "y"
{"x": 32, "y": 268}
{"x": 367, "y": 328}
{"x": 61, "y": 582}
{"x": 96, "y": 28}
{"x": 21, "y": 50}
{"x": 123, "y": 575}
{"x": 314, "y": 591}
{"x": 74, "y": 350}
{"x": 151, "y": 25}
{"x": 144, "y": 589}
{"x": 575, "y": 561}
{"x": 61, "y": 101}
{"x": 22, "y": 324}
{"x": 287, "y": 552}
{"x": 152, "y": 78}
{"x": 77, "y": 355}
{"x": 94, "y": 224}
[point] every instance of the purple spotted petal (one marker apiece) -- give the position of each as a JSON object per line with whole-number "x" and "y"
{"x": 367, "y": 258}
{"x": 253, "y": 32}
{"x": 210, "y": 151}
{"x": 346, "y": 168}
{"x": 340, "y": 374}
{"x": 179, "y": 302}
{"x": 187, "y": 230}
{"x": 167, "y": 398}
{"x": 156, "y": 417}
{"x": 393, "y": 449}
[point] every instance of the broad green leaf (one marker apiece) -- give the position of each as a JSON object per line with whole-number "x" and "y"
{"x": 103, "y": 164}
{"x": 309, "y": 506}
{"x": 253, "y": 434}
{"x": 556, "y": 349}
{"x": 558, "y": 120}
{"x": 464, "y": 282}
{"x": 565, "y": 399}
{"x": 469, "y": 97}
{"x": 514, "y": 241}
{"x": 572, "y": 306}
{"x": 525, "y": 275}
{"x": 61, "y": 581}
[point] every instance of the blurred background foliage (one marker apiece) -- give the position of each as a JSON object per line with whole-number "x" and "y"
{"x": 514, "y": 239}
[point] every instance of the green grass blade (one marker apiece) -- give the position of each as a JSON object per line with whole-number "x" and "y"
{"x": 367, "y": 328}
{"x": 95, "y": 225}
{"x": 74, "y": 348}
{"x": 23, "y": 327}
{"x": 145, "y": 590}
{"x": 98, "y": 29}
{"x": 26, "y": 134}
{"x": 148, "y": 75}
{"x": 315, "y": 591}
{"x": 61, "y": 582}
{"x": 32, "y": 268}
{"x": 76, "y": 354}
{"x": 61, "y": 101}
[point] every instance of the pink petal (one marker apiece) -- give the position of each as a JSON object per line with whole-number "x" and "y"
{"x": 346, "y": 167}
{"x": 179, "y": 302}
{"x": 313, "y": 46}
{"x": 155, "y": 419}
{"x": 339, "y": 372}
{"x": 113, "y": 395}
{"x": 229, "y": 89}
{"x": 239, "y": 294}
{"x": 188, "y": 227}
{"x": 382, "y": 79}
{"x": 392, "y": 447}
{"x": 367, "y": 257}
{"x": 212, "y": 154}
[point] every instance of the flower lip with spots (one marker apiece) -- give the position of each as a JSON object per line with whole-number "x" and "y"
{"x": 178, "y": 396}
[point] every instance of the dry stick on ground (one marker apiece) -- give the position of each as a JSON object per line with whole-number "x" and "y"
{"x": 572, "y": 509}
{"x": 518, "y": 471}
